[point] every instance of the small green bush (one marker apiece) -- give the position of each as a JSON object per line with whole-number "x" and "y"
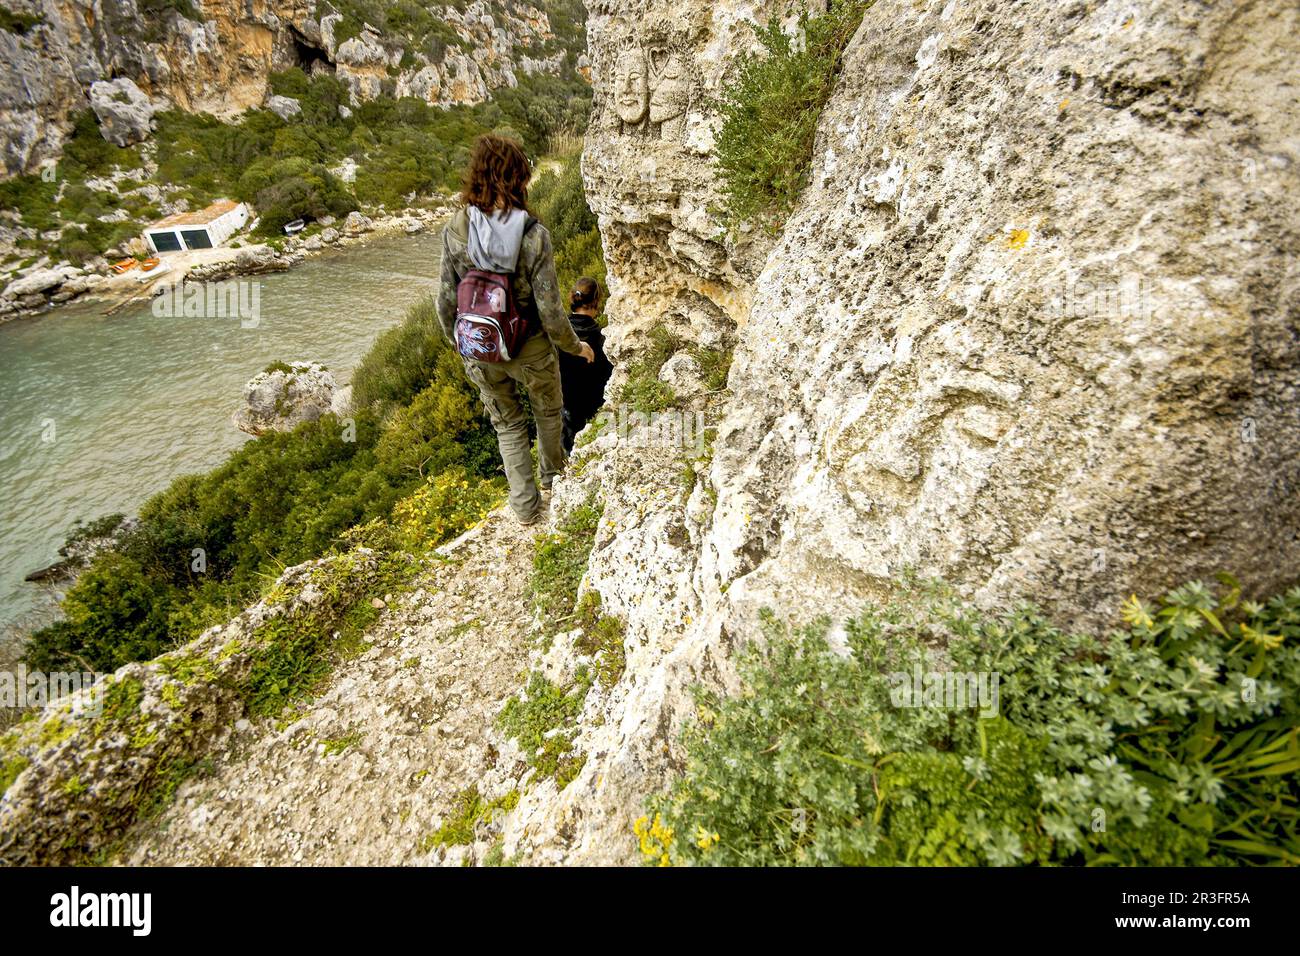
{"x": 642, "y": 390}
{"x": 447, "y": 505}
{"x": 771, "y": 109}
{"x": 543, "y": 720}
{"x": 1172, "y": 743}
{"x": 558, "y": 199}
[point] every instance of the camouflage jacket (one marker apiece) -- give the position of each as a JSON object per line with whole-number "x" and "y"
{"x": 534, "y": 281}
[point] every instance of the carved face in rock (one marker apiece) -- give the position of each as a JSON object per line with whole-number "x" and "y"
{"x": 672, "y": 88}
{"x": 631, "y": 86}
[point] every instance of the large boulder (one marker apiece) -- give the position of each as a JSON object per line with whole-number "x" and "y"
{"x": 284, "y": 107}
{"x": 355, "y": 224}
{"x": 42, "y": 280}
{"x": 283, "y": 396}
{"x": 125, "y": 114}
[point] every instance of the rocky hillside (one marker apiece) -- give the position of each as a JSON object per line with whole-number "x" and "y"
{"x": 1031, "y": 327}
{"x": 130, "y": 58}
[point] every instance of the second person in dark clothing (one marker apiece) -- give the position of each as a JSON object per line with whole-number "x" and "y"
{"x": 583, "y": 381}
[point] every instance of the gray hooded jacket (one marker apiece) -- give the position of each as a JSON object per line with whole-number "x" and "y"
{"x": 493, "y": 241}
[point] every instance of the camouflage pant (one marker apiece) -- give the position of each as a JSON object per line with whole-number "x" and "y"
{"x": 538, "y": 370}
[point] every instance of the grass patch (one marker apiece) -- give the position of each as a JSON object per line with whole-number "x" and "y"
{"x": 642, "y": 390}
{"x": 295, "y": 651}
{"x": 601, "y": 638}
{"x": 714, "y": 365}
{"x": 542, "y": 720}
{"x": 468, "y": 811}
{"x": 559, "y": 563}
{"x": 337, "y": 745}
{"x": 9, "y": 771}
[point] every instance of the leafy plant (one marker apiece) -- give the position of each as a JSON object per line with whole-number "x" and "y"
{"x": 642, "y": 389}
{"x": 559, "y": 562}
{"x": 1171, "y": 743}
{"x": 542, "y": 719}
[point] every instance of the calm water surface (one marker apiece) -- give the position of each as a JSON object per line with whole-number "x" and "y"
{"x": 98, "y": 412}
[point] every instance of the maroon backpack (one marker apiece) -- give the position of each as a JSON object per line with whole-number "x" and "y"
{"x": 489, "y": 325}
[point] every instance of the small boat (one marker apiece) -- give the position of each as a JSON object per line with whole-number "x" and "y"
{"x": 298, "y": 225}
{"x": 148, "y": 265}
{"x": 151, "y": 272}
{"x": 126, "y": 265}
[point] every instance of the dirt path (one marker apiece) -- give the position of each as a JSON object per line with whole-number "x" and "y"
{"x": 363, "y": 773}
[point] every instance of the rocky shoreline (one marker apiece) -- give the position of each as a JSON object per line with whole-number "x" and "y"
{"x": 43, "y": 286}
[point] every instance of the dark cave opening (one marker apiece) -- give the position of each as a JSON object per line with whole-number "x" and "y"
{"x": 307, "y": 54}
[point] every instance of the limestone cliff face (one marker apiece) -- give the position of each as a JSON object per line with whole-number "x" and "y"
{"x": 1032, "y": 327}
{"x": 219, "y": 63}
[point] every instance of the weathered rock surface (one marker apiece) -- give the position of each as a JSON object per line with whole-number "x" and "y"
{"x": 125, "y": 114}
{"x": 284, "y": 107}
{"x": 78, "y": 776}
{"x": 283, "y": 397}
{"x": 1032, "y": 327}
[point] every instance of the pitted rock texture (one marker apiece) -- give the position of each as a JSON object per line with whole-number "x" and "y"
{"x": 1032, "y": 327}
{"x": 125, "y": 114}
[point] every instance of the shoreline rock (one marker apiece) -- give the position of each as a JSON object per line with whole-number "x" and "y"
{"x": 284, "y": 396}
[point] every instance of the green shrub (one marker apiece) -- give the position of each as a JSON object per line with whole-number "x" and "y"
{"x": 447, "y": 505}
{"x": 558, "y": 199}
{"x": 771, "y": 109}
{"x": 87, "y": 153}
{"x": 642, "y": 389}
{"x": 402, "y": 360}
{"x": 543, "y": 721}
{"x": 19, "y": 22}
{"x": 1171, "y": 743}
{"x": 115, "y": 613}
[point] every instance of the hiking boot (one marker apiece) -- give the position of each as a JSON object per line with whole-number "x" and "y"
{"x": 535, "y": 517}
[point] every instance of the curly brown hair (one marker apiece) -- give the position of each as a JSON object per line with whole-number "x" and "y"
{"x": 497, "y": 175}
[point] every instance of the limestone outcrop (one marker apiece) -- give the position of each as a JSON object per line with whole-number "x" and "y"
{"x": 125, "y": 114}
{"x": 1034, "y": 327}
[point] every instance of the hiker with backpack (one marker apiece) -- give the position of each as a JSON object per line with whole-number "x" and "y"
{"x": 499, "y": 305}
{"x": 584, "y": 382}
